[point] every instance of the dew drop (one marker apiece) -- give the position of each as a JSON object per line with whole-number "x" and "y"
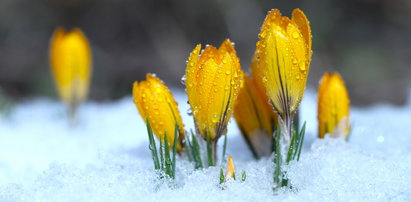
{"x": 228, "y": 72}
{"x": 189, "y": 112}
{"x": 183, "y": 80}
{"x": 295, "y": 61}
{"x": 295, "y": 35}
{"x": 302, "y": 66}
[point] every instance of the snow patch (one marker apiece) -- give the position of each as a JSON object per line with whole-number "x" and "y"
{"x": 106, "y": 158}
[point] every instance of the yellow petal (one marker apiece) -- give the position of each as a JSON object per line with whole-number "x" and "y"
{"x": 155, "y": 102}
{"x": 299, "y": 18}
{"x": 282, "y": 62}
{"x": 255, "y": 117}
{"x": 333, "y": 107}
{"x": 70, "y": 59}
{"x": 191, "y": 75}
{"x": 213, "y": 83}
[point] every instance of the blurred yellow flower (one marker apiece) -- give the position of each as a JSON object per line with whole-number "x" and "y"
{"x": 70, "y": 59}
{"x": 155, "y": 102}
{"x": 213, "y": 80}
{"x": 255, "y": 117}
{"x": 333, "y": 107}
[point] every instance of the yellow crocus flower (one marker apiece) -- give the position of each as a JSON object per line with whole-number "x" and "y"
{"x": 333, "y": 107}
{"x": 255, "y": 117}
{"x": 155, "y": 102}
{"x": 70, "y": 59}
{"x": 213, "y": 80}
{"x": 283, "y": 53}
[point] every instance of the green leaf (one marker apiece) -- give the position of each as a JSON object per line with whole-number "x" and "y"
{"x": 196, "y": 152}
{"x": 152, "y": 146}
{"x": 301, "y": 140}
{"x": 222, "y": 178}
{"x": 176, "y": 135}
{"x": 189, "y": 150}
{"x": 243, "y": 176}
{"x": 162, "y": 155}
{"x": 292, "y": 147}
{"x": 224, "y": 148}
{"x": 167, "y": 156}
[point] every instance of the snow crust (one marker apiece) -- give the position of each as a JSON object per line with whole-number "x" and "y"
{"x": 106, "y": 158}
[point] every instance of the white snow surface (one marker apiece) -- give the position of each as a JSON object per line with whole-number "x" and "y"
{"x": 106, "y": 158}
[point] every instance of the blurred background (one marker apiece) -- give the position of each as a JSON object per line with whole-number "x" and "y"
{"x": 367, "y": 41}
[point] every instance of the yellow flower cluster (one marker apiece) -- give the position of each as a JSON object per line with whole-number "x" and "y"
{"x": 217, "y": 88}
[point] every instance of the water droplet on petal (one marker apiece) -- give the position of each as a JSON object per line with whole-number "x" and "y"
{"x": 183, "y": 80}
{"x": 302, "y": 66}
{"x": 295, "y": 35}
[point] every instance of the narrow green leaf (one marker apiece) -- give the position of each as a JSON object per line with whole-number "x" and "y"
{"x": 222, "y": 178}
{"x": 196, "y": 153}
{"x": 152, "y": 146}
{"x": 224, "y": 148}
{"x": 233, "y": 176}
{"x": 161, "y": 155}
{"x": 296, "y": 121}
{"x": 292, "y": 147}
{"x": 243, "y": 176}
{"x": 176, "y": 135}
{"x": 300, "y": 142}
{"x": 189, "y": 150}
{"x": 167, "y": 156}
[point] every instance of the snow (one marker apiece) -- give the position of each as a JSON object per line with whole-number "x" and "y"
{"x": 106, "y": 158}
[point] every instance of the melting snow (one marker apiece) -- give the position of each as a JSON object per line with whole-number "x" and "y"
{"x": 106, "y": 158}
